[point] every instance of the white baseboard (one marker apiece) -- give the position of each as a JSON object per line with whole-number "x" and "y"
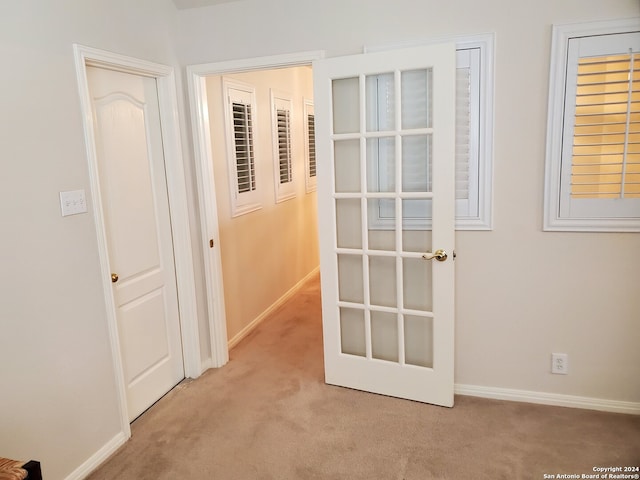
{"x": 98, "y": 458}
{"x": 277, "y": 304}
{"x": 559, "y": 400}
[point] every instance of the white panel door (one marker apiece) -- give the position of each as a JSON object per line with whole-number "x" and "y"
{"x": 135, "y": 209}
{"x": 385, "y": 127}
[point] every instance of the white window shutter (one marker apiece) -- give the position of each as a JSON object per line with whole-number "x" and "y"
{"x": 244, "y": 153}
{"x": 605, "y": 160}
{"x": 310, "y": 145}
{"x": 240, "y": 115}
{"x": 599, "y": 154}
{"x": 463, "y": 132}
{"x": 281, "y": 121}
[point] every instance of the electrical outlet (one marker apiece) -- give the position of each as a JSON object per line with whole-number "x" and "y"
{"x": 560, "y": 363}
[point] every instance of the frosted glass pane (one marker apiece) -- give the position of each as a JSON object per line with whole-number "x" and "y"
{"x": 352, "y": 333}
{"x": 346, "y": 105}
{"x": 418, "y": 341}
{"x": 417, "y": 284}
{"x": 416, "y": 240}
{"x": 382, "y": 281}
{"x": 414, "y": 210}
{"x": 381, "y": 164}
{"x": 350, "y": 278}
{"x": 380, "y": 102}
{"x": 348, "y": 223}
{"x": 346, "y": 154}
{"x": 384, "y": 336}
{"x": 416, "y": 163}
{"x": 380, "y": 239}
{"x": 416, "y": 99}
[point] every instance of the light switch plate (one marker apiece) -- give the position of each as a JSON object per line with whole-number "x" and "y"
{"x": 73, "y": 202}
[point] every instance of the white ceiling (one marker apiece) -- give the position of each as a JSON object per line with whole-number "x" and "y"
{"x": 184, "y": 4}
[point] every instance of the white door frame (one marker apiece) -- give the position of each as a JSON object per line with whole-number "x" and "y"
{"x": 176, "y": 188}
{"x": 196, "y": 80}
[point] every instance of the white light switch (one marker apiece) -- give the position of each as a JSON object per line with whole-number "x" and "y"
{"x": 73, "y": 202}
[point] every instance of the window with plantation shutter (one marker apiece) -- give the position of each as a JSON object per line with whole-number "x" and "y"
{"x": 472, "y": 152}
{"x": 310, "y": 145}
{"x": 240, "y": 129}
{"x": 593, "y": 158}
{"x": 281, "y": 119}
{"x": 243, "y": 141}
{"x": 284, "y": 145}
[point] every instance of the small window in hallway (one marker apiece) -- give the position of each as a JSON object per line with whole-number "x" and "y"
{"x": 281, "y": 119}
{"x": 310, "y": 144}
{"x": 239, "y": 123}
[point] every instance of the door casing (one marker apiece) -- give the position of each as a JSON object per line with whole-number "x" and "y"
{"x": 176, "y": 187}
{"x": 196, "y": 79}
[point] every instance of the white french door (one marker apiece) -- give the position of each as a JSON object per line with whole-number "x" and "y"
{"x": 385, "y": 126}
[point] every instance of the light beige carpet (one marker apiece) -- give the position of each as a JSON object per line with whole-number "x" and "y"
{"x": 268, "y": 415}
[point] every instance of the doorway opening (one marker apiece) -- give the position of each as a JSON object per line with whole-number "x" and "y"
{"x": 265, "y": 192}
{"x": 283, "y": 213}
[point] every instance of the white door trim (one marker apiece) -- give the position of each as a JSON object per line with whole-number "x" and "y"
{"x": 196, "y": 79}
{"x": 176, "y": 187}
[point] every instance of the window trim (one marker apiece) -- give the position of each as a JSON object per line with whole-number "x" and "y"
{"x": 245, "y": 202}
{"x": 553, "y": 221}
{"x": 283, "y": 191}
{"x": 486, "y": 44}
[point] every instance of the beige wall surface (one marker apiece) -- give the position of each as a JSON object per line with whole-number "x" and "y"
{"x": 58, "y": 401}
{"x": 521, "y": 293}
{"x": 265, "y": 252}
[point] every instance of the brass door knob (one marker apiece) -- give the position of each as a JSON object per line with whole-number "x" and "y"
{"x": 439, "y": 255}
{"x": 114, "y": 277}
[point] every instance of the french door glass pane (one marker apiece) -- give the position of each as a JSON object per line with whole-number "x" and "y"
{"x": 380, "y": 104}
{"x": 350, "y": 288}
{"x": 346, "y": 105}
{"x": 384, "y": 336}
{"x": 416, "y": 240}
{"x": 352, "y": 332}
{"x": 347, "y": 166}
{"x": 349, "y": 222}
{"x": 416, "y": 163}
{"x": 382, "y": 281}
{"x": 416, "y": 99}
{"x": 418, "y": 340}
{"x": 417, "y": 284}
{"x": 381, "y": 164}
{"x": 381, "y": 239}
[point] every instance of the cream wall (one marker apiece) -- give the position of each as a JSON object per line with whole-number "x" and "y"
{"x": 265, "y": 252}
{"x": 58, "y": 401}
{"x": 521, "y": 293}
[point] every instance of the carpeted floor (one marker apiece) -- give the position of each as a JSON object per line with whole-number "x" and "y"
{"x": 268, "y": 415}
